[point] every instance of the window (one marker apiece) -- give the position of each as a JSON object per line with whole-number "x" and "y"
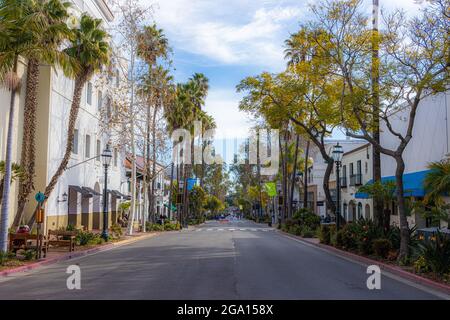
{"x": 99, "y": 99}
{"x": 359, "y": 210}
{"x": 358, "y": 167}
{"x": 116, "y": 155}
{"x": 99, "y": 150}
{"x": 89, "y": 93}
{"x": 75, "y": 142}
{"x": 88, "y": 146}
{"x": 351, "y": 169}
{"x": 366, "y": 168}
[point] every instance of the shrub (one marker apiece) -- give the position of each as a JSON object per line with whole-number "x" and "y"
{"x": 420, "y": 265}
{"x": 348, "y": 237}
{"x": 381, "y": 247}
{"x": 326, "y": 230}
{"x": 436, "y": 253}
{"x": 154, "y": 226}
{"x": 169, "y": 226}
{"x": 290, "y": 222}
{"x": 29, "y": 254}
{"x": 116, "y": 230}
{"x": 369, "y": 232}
{"x": 295, "y": 229}
{"x": 5, "y": 257}
{"x": 84, "y": 238}
{"x": 307, "y": 232}
{"x": 306, "y": 217}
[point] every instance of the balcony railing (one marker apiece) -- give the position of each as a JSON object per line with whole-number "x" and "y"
{"x": 356, "y": 179}
{"x": 343, "y": 182}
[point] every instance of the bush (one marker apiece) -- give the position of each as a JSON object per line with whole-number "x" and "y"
{"x": 326, "y": 230}
{"x": 154, "y": 226}
{"x": 29, "y": 254}
{"x": 307, "y": 232}
{"x": 369, "y": 232}
{"x": 381, "y": 247}
{"x": 436, "y": 253}
{"x": 116, "y": 230}
{"x": 348, "y": 237}
{"x": 420, "y": 265}
{"x": 295, "y": 229}
{"x": 84, "y": 238}
{"x": 5, "y": 257}
{"x": 169, "y": 226}
{"x": 306, "y": 217}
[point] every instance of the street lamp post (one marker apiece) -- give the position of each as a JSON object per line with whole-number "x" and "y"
{"x": 106, "y": 158}
{"x": 337, "y": 157}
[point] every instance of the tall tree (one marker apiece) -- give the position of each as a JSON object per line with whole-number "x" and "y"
{"x": 90, "y": 49}
{"x": 51, "y": 16}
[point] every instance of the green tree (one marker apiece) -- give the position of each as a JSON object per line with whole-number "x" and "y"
{"x": 437, "y": 181}
{"x": 51, "y": 17}
{"x": 90, "y": 49}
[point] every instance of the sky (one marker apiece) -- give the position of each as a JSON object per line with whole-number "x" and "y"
{"x": 228, "y": 40}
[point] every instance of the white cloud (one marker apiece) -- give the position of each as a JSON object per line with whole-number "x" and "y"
{"x": 222, "y": 105}
{"x": 230, "y": 32}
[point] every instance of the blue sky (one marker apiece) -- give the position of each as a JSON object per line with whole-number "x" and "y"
{"x": 229, "y": 40}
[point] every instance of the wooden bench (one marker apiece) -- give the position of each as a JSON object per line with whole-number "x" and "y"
{"x": 26, "y": 241}
{"x": 62, "y": 239}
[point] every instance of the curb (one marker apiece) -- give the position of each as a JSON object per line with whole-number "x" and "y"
{"x": 384, "y": 266}
{"x": 72, "y": 255}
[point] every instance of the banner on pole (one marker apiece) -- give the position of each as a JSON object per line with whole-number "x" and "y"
{"x": 271, "y": 189}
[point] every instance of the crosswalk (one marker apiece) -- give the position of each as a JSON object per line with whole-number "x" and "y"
{"x": 232, "y": 229}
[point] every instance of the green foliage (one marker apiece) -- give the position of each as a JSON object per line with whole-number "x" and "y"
{"x": 29, "y": 254}
{"x": 116, "y": 230}
{"x": 421, "y": 265}
{"x": 124, "y": 206}
{"x": 197, "y": 199}
{"x": 436, "y": 253}
{"x": 381, "y": 247}
{"x": 71, "y": 227}
{"x": 295, "y": 229}
{"x": 170, "y": 226}
{"x": 84, "y": 238}
{"x": 5, "y": 257}
{"x": 326, "y": 231}
{"x": 349, "y": 236}
{"x": 382, "y": 191}
{"x": 213, "y": 204}
{"x": 306, "y": 217}
{"x": 437, "y": 181}
{"x": 307, "y": 232}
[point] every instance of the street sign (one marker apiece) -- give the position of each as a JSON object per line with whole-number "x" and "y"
{"x": 191, "y": 182}
{"x": 40, "y": 197}
{"x": 271, "y": 189}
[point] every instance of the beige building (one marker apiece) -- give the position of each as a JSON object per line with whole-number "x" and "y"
{"x": 77, "y": 197}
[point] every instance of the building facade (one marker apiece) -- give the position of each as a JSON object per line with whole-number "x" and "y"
{"x": 77, "y": 197}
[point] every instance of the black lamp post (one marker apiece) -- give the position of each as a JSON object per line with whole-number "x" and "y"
{"x": 337, "y": 157}
{"x": 106, "y": 158}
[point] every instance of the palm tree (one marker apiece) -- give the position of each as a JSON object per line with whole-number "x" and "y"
{"x": 16, "y": 173}
{"x": 152, "y": 45}
{"x": 15, "y": 40}
{"x": 90, "y": 48}
{"x": 50, "y": 16}
{"x": 437, "y": 181}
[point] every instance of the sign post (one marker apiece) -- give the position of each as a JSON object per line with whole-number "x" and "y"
{"x": 40, "y": 213}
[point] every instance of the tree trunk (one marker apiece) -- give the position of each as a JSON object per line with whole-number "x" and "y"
{"x": 326, "y": 188}
{"x": 404, "y": 228}
{"x": 2, "y": 181}
{"x": 152, "y": 194}
{"x": 305, "y": 175}
{"x": 170, "y": 190}
{"x": 7, "y": 177}
{"x": 291, "y": 203}
{"x": 28, "y": 154}
{"x": 74, "y": 109}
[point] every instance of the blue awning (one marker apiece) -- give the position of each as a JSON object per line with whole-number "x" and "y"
{"x": 412, "y": 184}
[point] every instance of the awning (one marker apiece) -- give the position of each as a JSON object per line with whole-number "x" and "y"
{"x": 412, "y": 184}
{"x": 80, "y": 190}
{"x": 91, "y": 191}
{"x": 117, "y": 194}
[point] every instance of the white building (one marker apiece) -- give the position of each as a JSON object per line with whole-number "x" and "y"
{"x": 316, "y": 194}
{"x": 77, "y": 197}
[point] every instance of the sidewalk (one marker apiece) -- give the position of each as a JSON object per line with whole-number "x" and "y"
{"x": 58, "y": 255}
{"x": 393, "y": 269}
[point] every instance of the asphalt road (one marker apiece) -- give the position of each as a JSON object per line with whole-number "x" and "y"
{"x": 234, "y": 260}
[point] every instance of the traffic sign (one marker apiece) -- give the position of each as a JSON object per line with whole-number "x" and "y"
{"x": 40, "y": 197}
